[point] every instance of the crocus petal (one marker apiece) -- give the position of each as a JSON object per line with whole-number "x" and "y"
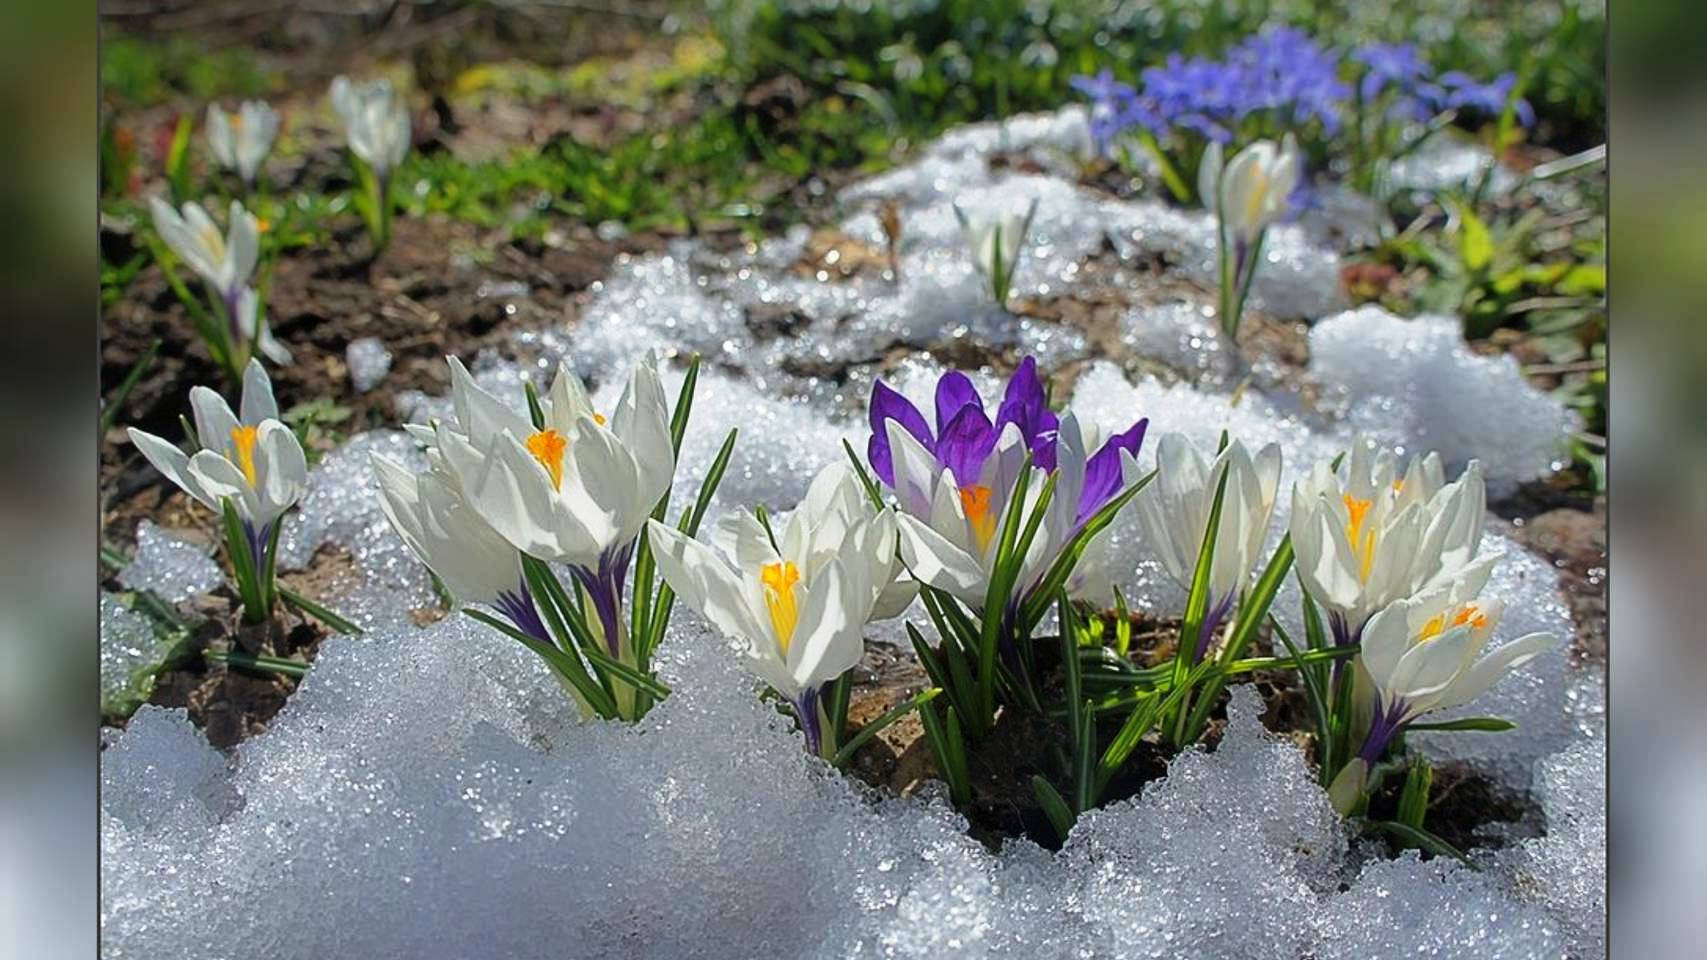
{"x": 172, "y": 463}
{"x": 705, "y": 582}
{"x": 479, "y": 415}
{"x": 953, "y": 393}
{"x": 827, "y": 639}
{"x": 965, "y": 443}
{"x": 1484, "y": 673}
{"x": 284, "y": 473}
{"x": 258, "y": 403}
{"x": 1209, "y": 175}
{"x": 1102, "y": 471}
{"x": 937, "y": 562}
{"x": 214, "y": 420}
{"x": 888, "y": 404}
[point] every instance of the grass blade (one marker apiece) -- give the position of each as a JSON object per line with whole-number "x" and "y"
{"x": 324, "y": 614}
{"x": 875, "y": 727}
{"x": 1054, "y": 807}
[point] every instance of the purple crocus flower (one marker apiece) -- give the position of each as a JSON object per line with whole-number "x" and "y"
{"x": 965, "y": 436}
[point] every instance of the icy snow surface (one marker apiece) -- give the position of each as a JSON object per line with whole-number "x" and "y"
{"x": 173, "y": 568}
{"x": 428, "y": 793}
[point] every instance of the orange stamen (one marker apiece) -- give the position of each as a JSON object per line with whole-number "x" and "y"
{"x": 548, "y": 446}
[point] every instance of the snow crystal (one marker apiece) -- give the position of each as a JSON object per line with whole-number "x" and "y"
{"x": 1415, "y": 385}
{"x": 129, "y": 643}
{"x": 1407, "y": 907}
{"x": 1566, "y": 869}
{"x": 1444, "y": 162}
{"x": 172, "y": 568}
{"x": 368, "y": 361}
{"x": 163, "y": 776}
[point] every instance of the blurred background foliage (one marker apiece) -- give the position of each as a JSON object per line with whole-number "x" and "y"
{"x": 747, "y": 114}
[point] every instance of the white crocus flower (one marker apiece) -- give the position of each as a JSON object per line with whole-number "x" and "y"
{"x": 1425, "y": 654}
{"x": 950, "y": 534}
{"x": 472, "y": 561}
{"x": 1377, "y": 537}
{"x": 817, "y": 529}
{"x": 578, "y": 489}
{"x": 376, "y": 123}
{"x": 241, "y": 141}
{"x": 1254, "y": 189}
{"x": 1174, "y": 512}
{"x": 799, "y": 606}
{"x": 255, "y": 461}
{"x": 224, "y": 261}
{"x": 259, "y": 335}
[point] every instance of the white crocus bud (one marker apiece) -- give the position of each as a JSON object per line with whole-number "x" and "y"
{"x": 376, "y": 123}
{"x": 241, "y": 141}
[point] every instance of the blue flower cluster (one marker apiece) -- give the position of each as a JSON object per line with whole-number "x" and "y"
{"x": 1397, "y": 67}
{"x": 1284, "y": 74}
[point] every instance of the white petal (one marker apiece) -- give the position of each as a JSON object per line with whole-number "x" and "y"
{"x": 214, "y": 420}
{"x": 258, "y": 403}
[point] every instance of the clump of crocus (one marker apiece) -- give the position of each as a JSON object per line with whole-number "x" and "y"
{"x": 1379, "y": 536}
{"x": 1174, "y": 514}
{"x": 249, "y": 468}
{"x": 1249, "y": 194}
{"x": 994, "y": 515}
{"x": 1421, "y": 655}
{"x": 796, "y": 599}
{"x": 377, "y": 129}
{"x": 997, "y": 242}
{"x": 241, "y": 141}
{"x": 231, "y": 322}
{"x": 510, "y": 494}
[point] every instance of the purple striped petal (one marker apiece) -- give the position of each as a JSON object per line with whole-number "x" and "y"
{"x": 1024, "y": 405}
{"x": 887, "y": 404}
{"x": 953, "y": 393}
{"x": 1102, "y": 471}
{"x": 965, "y": 444}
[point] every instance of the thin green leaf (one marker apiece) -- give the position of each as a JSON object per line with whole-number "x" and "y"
{"x": 324, "y": 614}
{"x": 1487, "y": 724}
{"x": 260, "y": 664}
{"x": 1413, "y": 800}
{"x": 563, "y": 664}
{"x": 1197, "y": 600}
{"x": 872, "y": 491}
{"x": 1312, "y": 689}
{"x": 1423, "y": 840}
{"x": 1054, "y": 807}
{"x": 120, "y": 394}
{"x": 684, "y": 405}
{"x": 604, "y": 663}
{"x": 875, "y": 727}
{"x": 536, "y": 410}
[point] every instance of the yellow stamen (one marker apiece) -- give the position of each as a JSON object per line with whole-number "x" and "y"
{"x": 1362, "y": 540}
{"x": 599, "y": 419}
{"x": 243, "y": 439}
{"x": 976, "y": 502}
{"x": 779, "y": 581}
{"x": 547, "y": 446}
{"x": 1433, "y": 628}
{"x": 236, "y": 121}
{"x": 262, "y": 226}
